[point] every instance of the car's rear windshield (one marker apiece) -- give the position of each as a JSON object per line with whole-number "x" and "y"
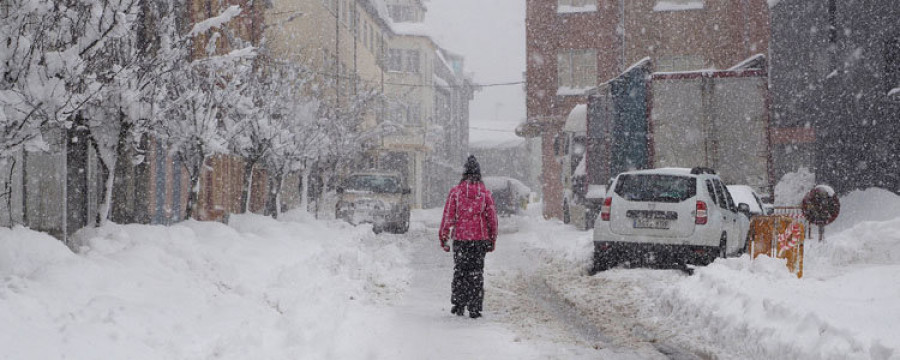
{"x": 656, "y": 187}
{"x": 374, "y": 183}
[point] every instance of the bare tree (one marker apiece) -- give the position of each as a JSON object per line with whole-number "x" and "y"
{"x": 45, "y": 51}
{"x": 276, "y": 93}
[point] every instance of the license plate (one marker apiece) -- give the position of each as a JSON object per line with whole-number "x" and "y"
{"x": 643, "y": 223}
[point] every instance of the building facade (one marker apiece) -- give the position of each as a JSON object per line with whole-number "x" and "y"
{"x": 574, "y": 45}
{"x": 834, "y": 65}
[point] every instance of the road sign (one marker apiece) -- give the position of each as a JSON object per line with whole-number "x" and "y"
{"x": 821, "y": 206}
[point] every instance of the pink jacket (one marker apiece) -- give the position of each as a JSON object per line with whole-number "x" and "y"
{"x": 470, "y": 209}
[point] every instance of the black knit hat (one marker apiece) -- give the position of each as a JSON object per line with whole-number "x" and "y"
{"x": 472, "y": 167}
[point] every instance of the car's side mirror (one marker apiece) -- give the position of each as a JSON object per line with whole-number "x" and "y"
{"x": 406, "y": 191}
{"x": 339, "y": 190}
{"x": 744, "y": 209}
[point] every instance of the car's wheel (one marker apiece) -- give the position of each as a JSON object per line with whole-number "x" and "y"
{"x": 589, "y": 218}
{"x": 402, "y": 228}
{"x": 567, "y": 218}
{"x": 602, "y": 262}
{"x": 746, "y": 246}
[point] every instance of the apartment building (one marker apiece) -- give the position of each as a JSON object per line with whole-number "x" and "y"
{"x": 402, "y": 11}
{"x": 342, "y": 41}
{"x": 833, "y": 68}
{"x": 574, "y": 45}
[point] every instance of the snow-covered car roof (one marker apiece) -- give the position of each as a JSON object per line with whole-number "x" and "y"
{"x": 744, "y": 194}
{"x": 375, "y": 173}
{"x": 662, "y": 171}
{"x": 500, "y": 182}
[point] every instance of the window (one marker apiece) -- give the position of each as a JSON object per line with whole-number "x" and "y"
{"x": 656, "y": 188}
{"x": 395, "y": 12}
{"x": 348, "y": 13}
{"x": 729, "y": 202}
{"x": 363, "y": 32}
{"x": 577, "y": 68}
{"x": 372, "y": 38}
{"x": 368, "y": 36}
{"x": 892, "y": 63}
{"x": 412, "y": 61}
{"x": 402, "y": 13}
{"x": 395, "y": 60}
{"x": 404, "y": 60}
{"x": 671, "y": 63}
{"x": 413, "y": 114}
{"x": 712, "y": 191}
{"x": 725, "y": 201}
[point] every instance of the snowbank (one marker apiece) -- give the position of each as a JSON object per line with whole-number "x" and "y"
{"x": 254, "y": 289}
{"x": 865, "y": 205}
{"x": 845, "y": 306}
{"x": 793, "y": 186}
{"x": 23, "y": 252}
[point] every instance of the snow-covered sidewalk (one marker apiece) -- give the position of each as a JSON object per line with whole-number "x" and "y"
{"x": 255, "y": 289}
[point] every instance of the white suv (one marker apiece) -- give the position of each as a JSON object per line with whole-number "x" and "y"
{"x": 668, "y": 217}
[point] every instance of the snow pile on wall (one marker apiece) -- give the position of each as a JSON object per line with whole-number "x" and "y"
{"x": 792, "y": 187}
{"x": 569, "y": 9}
{"x": 254, "y": 289}
{"x": 678, "y": 5}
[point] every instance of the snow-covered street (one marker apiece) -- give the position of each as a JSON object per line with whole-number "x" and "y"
{"x": 300, "y": 288}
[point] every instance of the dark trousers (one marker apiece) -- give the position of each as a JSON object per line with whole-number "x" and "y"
{"x": 468, "y": 274}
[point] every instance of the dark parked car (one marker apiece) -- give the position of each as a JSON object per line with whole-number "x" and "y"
{"x": 379, "y": 198}
{"x": 510, "y": 195}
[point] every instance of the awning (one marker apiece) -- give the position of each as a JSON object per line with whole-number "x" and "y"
{"x": 577, "y": 120}
{"x": 530, "y": 128}
{"x": 536, "y": 126}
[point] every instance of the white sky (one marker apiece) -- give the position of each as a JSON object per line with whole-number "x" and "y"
{"x": 491, "y": 36}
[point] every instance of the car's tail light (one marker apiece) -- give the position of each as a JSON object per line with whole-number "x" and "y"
{"x": 604, "y": 210}
{"x": 702, "y": 214}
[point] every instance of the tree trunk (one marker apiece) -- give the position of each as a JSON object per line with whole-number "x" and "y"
{"x": 8, "y": 191}
{"x": 140, "y": 212}
{"x": 279, "y": 183}
{"x": 194, "y": 193}
{"x": 106, "y": 195}
{"x": 248, "y": 185}
{"x": 304, "y": 189}
{"x": 106, "y": 176}
{"x": 118, "y": 205}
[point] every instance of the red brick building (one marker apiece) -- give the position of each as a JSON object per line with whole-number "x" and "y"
{"x": 574, "y": 45}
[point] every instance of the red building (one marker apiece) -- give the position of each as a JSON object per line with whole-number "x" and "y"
{"x": 574, "y": 45}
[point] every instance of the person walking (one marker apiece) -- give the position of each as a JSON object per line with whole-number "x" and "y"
{"x": 470, "y": 219}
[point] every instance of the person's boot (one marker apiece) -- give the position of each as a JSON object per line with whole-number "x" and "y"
{"x": 474, "y": 314}
{"x": 457, "y": 310}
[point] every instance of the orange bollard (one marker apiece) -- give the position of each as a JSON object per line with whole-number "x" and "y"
{"x": 780, "y": 237}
